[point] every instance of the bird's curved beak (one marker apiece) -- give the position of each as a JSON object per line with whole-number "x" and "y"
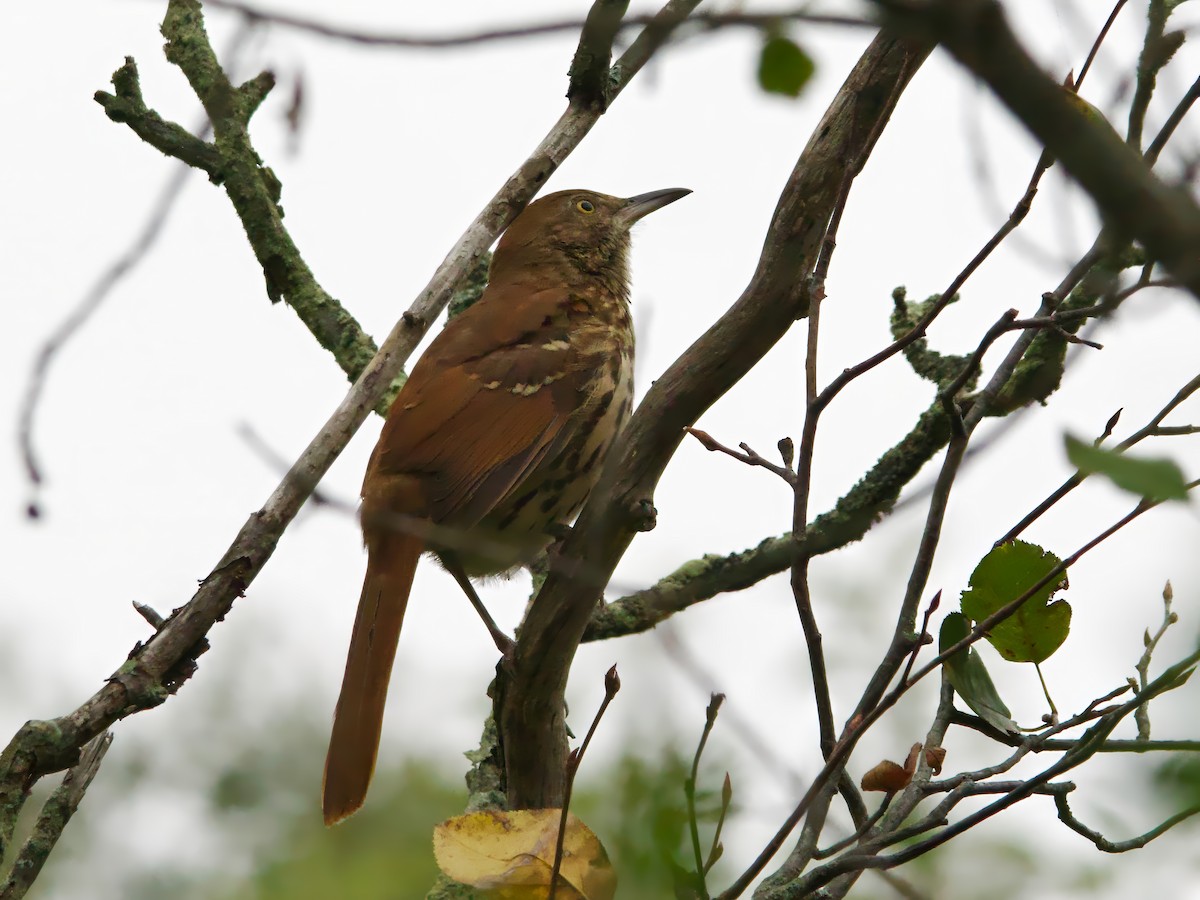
{"x": 644, "y": 204}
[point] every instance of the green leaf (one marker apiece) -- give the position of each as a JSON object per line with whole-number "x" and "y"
{"x": 1038, "y": 627}
{"x": 783, "y": 67}
{"x": 1154, "y": 479}
{"x": 969, "y": 677}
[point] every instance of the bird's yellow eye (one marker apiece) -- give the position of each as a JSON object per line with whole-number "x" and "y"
{"x": 585, "y": 206}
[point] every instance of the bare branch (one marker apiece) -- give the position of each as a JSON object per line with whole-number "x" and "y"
{"x": 1181, "y": 109}
{"x": 1087, "y": 63}
{"x": 747, "y": 455}
{"x": 1157, "y": 48}
{"x": 1164, "y": 220}
{"x": 1067, "y": 817}
{"x": 590, "y": 67}
{"x": 702, "y": 21}
{"x": 1115, "y": 745}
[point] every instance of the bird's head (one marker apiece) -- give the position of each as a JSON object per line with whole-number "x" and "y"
{"x": 585, "y": 228}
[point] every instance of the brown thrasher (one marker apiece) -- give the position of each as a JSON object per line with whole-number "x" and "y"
{"x": 495, "y": 440}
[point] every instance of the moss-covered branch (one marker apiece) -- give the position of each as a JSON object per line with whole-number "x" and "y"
{"x": 231, "y": 161}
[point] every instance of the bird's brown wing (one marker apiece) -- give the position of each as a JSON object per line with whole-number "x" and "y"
{"x": 479, "y": 410}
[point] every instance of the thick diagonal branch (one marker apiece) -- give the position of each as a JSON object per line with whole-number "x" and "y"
{"x": 531, "y": 714}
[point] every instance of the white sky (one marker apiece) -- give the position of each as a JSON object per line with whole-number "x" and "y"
{"x": 148, "y": 477}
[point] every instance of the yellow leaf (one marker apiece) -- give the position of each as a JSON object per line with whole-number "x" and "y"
{"x": 511, "y": 855}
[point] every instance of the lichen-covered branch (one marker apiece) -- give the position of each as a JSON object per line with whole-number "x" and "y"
{"x": 231, "y": 161}
{"x": 53, "y": 819}
{"x": 128, "y": 107}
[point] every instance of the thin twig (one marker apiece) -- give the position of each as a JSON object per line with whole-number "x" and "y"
{"x": 1067, "y": 817}
{"x": 101, "y": 289}
{"x": 802, "y": 483}
{"x": 1015, "y": 218}
{"x": 1152, "y": 428}
{"x": 1087, "y": 63}
{"x": 702, "y": 21}
{"x": 689, "y": 786}
{"x": 845, "y": 842}
{"x": 612, "y": 684}
{"x": 1172, "y": 122}
{"x": 1142, "y": 715}
{"x": 816, "y": 284}
{"x": 747, "y": 455}
{"x": 923, "y": 637}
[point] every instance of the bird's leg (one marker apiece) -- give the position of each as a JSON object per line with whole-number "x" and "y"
{"x": 503, "y": 642}
{"x": 558, "y": 532}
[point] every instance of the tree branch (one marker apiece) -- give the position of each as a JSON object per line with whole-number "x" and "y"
{"x": 53, "y": 819}
{"x": 590, "y": 67}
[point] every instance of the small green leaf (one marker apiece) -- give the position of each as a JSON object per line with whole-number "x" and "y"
{"x": 1038, "y": 627}
{"x": 783, "y": 67}
{"x": 969, "y": 677}
{"x": 1154, "y": 479}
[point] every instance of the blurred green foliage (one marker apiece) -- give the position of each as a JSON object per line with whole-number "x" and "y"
{"x": 783, "y": 66}
{"x": 385, "y": 850}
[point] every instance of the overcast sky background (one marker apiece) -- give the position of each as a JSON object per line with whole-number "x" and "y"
{"x": 149, "y": 473}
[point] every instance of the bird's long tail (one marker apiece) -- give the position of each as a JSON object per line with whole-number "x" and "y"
{"x": 358, "y": 718}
